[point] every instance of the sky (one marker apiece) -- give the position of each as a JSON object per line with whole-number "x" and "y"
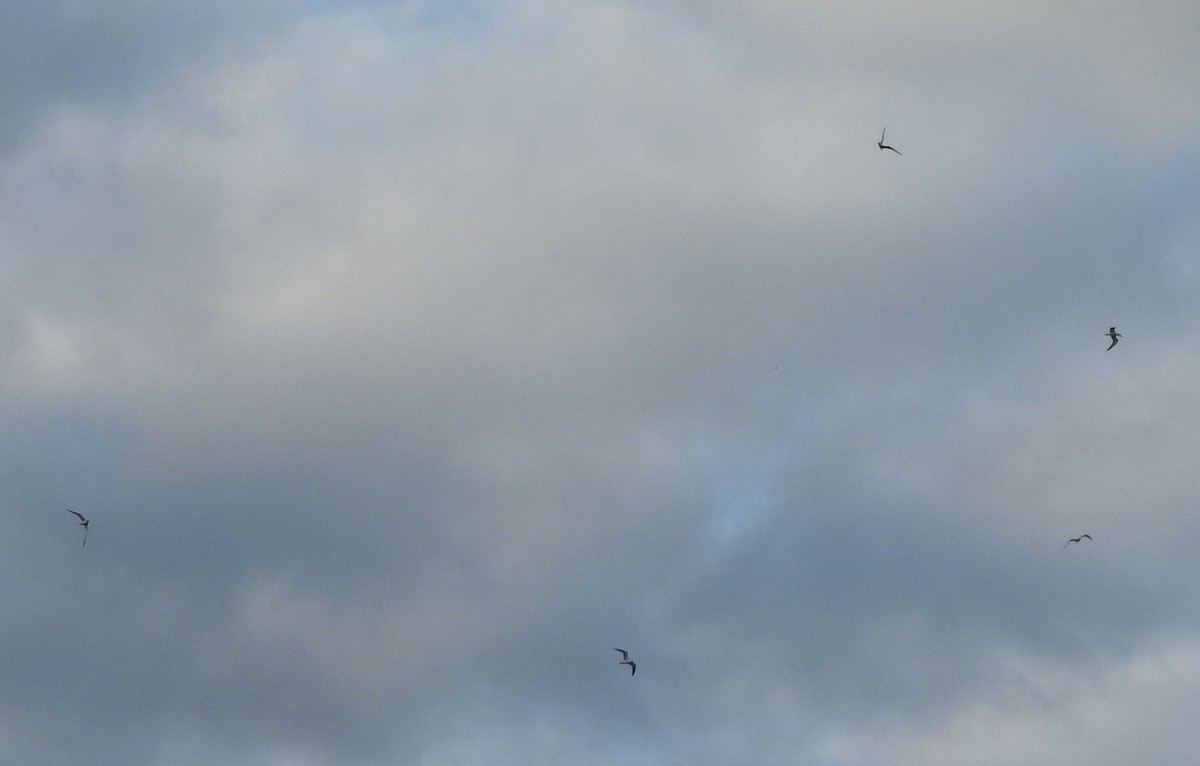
{"x": 408, "y": 357}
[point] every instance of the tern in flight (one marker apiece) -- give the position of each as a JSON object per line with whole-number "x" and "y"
{"x": 83, "y": 523}
{"x": 883, "y": 146}
{"x": 1076, "y": 539}
{"x": 1112, "y": 333}
{"x": 626, "y": 661}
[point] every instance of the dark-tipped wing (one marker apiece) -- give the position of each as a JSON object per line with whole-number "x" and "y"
{"x": 77, "y": 513}
{"x": 624, "y": 654}
{"x": 1087, "y": 536}
{"x": 1110, "y": 345}
{"x": 633, "y": 668}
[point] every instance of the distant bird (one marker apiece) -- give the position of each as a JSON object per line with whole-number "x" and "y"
{"x": 883, "y": 146}
{"x": 1076, "y": 539}
{"x": 83, "y": 523}
{"x": 1112, "y": 333}
{"x": 626, "y": 661}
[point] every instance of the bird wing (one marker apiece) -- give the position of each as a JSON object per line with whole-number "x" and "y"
{"x": 883, "y": 134}
{"x": 1110, "y": 345}
{"x": 624, "y": 654}
{"x": 894, "y": 149}
{"x": 77, "y": 513}
{"x": 1087, "y": 536}
{"x": 632, "y": 668}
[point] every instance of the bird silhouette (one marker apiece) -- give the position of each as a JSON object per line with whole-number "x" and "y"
{"x": 883, "y": 146}
{"x": 1076, "y": 539}
{"x": 626, "y": 661}
{"x": 83, "y": 523}
{"x": 1112, "y": 333}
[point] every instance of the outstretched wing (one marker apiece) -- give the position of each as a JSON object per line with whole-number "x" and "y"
{"x": 1087, "y": 536}
{"x": 624, "y": 654}
{"x": 1110, "y": 345}
{"x": 77, "y": 513}
{"x": 632, "y": 668}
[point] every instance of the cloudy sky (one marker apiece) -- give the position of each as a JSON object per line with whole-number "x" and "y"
{"x": 410, "y": 356}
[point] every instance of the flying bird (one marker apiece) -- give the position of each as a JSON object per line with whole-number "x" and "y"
{"x": 626, "y": 661}
{"x": 883, "y": 146}
{"x": 1112, "y": 333}
{"x": 83, "y": 523}
{"x": 1076, "y": 539}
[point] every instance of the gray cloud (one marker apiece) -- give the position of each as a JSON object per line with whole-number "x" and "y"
{"x": 59, "y": 53}
{"x": 408, "y": 361}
